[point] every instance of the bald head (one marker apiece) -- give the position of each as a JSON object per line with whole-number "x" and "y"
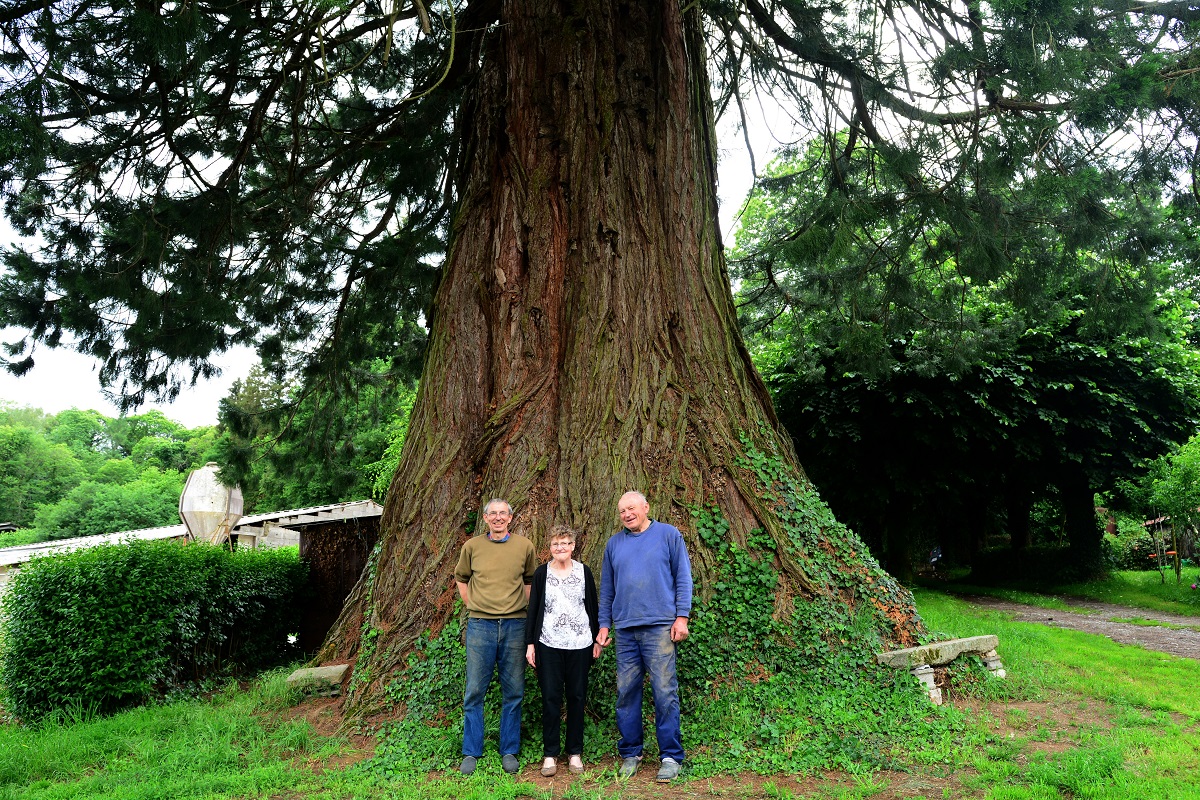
{"x": 634, "y": 511}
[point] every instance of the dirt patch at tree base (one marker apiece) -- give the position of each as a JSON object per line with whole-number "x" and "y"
{"x": 884, "y": 785}
{"x": 1036, "y": 729}
{"x": 324, "y": 714}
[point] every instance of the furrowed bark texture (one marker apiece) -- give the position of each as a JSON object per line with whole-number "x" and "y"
{"x": 584, "y": 340}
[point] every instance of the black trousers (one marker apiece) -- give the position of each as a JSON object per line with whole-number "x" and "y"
{"x": 562, "y": 674}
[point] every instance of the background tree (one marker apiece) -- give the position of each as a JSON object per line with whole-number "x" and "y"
{"x": 67, "y": 488}
{"x": 1165, "y": 504}
{"x": 937, "y": 397}
{"x": 84, "y": 432}
{"x": 916, "y": 460}
{"x": 315, "y": 439}
{"x": 34, "y": 472}
{"x": 95, "y": 507}
{"x": 296, "y": 446}
{"x": 279, "y": 175}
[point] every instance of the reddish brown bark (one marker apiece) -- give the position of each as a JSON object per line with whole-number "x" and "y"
{"x": 584, "y": 340}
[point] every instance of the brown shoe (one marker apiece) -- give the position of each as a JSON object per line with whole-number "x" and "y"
{"x": 575, "y": 764}
{"x": 549, "y": 766}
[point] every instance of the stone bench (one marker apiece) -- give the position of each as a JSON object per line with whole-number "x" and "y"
{"x": 320, "y": 681}
{"x": 920, "y": 661}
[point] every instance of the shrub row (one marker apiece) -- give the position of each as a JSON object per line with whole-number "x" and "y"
{"x": 114, "y": 626}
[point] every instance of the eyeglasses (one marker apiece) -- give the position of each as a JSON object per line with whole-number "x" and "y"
{"x": 497, "y": 514}
{"x": 562, "y": 546}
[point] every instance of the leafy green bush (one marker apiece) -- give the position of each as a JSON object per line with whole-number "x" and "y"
{"x": 96, "y": 507}
{"x": 114, "y": 626}
{"x": 19, "y": 537}
{"x": 1131, "y": 547}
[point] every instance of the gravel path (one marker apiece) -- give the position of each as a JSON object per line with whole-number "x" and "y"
{"x": 1098, "y": 618}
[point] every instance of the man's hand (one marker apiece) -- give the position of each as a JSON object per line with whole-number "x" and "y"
{"x": 679, "y": 630}
{"x": 602, "y": 638}
{"x": 530, "y": 657}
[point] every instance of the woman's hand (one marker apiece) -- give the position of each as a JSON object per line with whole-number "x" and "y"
{"x": 530, "y": 657}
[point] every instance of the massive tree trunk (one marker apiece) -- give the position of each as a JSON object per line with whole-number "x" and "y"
{"x": 1018, "y": 500}
{"x": 1082, "y": 527}
{"x": 584, "y": 340}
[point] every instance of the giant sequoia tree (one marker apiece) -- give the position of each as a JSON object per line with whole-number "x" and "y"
{"x": 205, "y": 174}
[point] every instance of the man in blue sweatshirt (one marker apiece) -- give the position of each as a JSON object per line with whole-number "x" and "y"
{"x": 646, "y": 598}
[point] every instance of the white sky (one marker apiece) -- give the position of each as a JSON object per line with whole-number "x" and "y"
{"x": 63, "y": 378}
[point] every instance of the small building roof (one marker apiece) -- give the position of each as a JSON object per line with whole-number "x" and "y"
{"x": 317, "y": 515}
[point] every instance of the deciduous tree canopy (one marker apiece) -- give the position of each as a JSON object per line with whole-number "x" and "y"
{"x": 79, "y": 473}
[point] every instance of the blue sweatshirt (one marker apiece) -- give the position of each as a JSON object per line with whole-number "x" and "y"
{"x": 646, "y": 578}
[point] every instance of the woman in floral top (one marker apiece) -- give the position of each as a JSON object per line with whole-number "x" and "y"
{"x": 560, "y": 637}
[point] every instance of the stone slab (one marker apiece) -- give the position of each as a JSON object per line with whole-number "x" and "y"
{"x": 939, "y": 652}
{"x": 319, "y": 680}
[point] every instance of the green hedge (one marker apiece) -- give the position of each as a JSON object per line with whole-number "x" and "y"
{"x": 1131, "y": 549}
{"x": 117, "y": 625}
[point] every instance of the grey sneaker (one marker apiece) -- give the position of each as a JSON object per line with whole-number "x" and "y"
{"x": 668, "y": 772}
{"x": 510, "y": 763}
{"x": 629, "y": 767}
{"x": 468, "y": 765}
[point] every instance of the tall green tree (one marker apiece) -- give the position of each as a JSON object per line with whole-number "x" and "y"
{"x": 33, "y": 472}
{"x": 934, "y": 407}
{"x": 127, "y": 431}
{"x": 23, "y": 416}
{"x": 1171, "y": 488}
{"x": 1174, "y": 484}
{"x": 290, "y": 446}
{"x": 214, "y": 174}
{"x": 310, "y": 439}
{"x": 84, "y": 432}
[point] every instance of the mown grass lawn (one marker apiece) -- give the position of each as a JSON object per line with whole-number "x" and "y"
{"x": 1123, "y": 721}
{"x": 1078, "y": 717}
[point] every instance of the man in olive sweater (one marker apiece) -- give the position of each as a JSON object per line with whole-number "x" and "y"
{"x": 493, "y": 577}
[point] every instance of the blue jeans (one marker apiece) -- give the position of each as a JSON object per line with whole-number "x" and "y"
{"x": 494, "y": 645}
{"x": 640, "y": 650}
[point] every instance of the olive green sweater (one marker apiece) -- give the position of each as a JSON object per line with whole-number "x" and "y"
{"x": 496, "y": 574}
